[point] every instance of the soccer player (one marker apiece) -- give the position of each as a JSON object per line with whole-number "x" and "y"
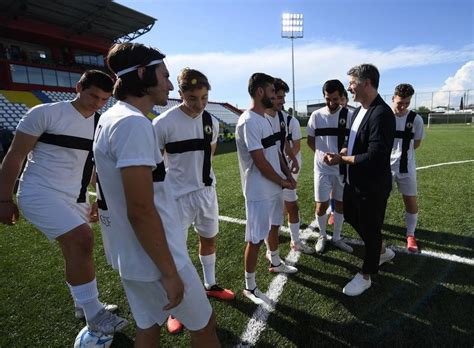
{"x": 327, "y": 131}
{"x": 332, "y": 203}
{"x": 408, "y": 138}
{"x": 288, "y": 137}
{"x": 143, "y": 238}
{"x": 53, "y": 194}
{"x": 262, "y": 176}
{"x": 188, "y": 134}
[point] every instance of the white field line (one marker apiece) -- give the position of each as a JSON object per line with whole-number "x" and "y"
{"x": 428, "y": 253}
{"x": 443, "y": 164}
{"x": 258, "y": 322}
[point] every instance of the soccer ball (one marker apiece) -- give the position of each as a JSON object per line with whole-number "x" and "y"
{"x": 89, "y": 339}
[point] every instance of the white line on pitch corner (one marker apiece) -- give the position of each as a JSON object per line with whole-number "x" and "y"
{"x": 428, "y": 253}
{"x": 258, "y": 322}
{"x": 444, "y": 164}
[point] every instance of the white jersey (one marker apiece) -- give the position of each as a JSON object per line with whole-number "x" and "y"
{"x": 174, "y": 131}
{"x": 253, "y": 129}
{"x": 125, "y": 138}
{"x": 323, "y": 119}
{"x": 418, "y": 134}
{"x": 294, "y": 129}
{"x": 61, "y": 160}
{"x": 277, "y": 125}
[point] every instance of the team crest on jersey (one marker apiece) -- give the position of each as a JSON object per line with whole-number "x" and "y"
{"x": 342, "y": 122}
{"x": 409, "y": 125}
{"x": 208, "y": 129}
{"x": 282, "y": 124}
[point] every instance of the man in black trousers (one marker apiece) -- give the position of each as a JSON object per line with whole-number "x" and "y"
{"x": 368, "y": 177}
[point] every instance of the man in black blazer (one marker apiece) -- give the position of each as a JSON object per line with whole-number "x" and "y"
{"x": 368, "y": 176}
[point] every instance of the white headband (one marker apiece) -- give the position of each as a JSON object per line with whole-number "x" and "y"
{"x": 126, "y": 71}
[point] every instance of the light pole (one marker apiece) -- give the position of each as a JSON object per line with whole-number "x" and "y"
{"x": 292, "y": 28}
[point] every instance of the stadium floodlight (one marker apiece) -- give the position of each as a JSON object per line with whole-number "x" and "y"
{"x": 292, "y": 28}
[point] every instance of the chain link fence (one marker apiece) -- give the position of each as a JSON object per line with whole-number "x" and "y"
{"x": 424, "y": 102}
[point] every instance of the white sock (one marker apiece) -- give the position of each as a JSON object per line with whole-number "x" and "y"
{"x": 87, "y": 297}
{"x": 411, "y": 221}
{"x": 250, "y": 283}
{"x": 294, "y": 231}
{"x": 275, "y": 255}
{"x": 322, "y": 222}
{"x": 338, "y": 221}
{"x": 267, "y": 245}
{"x": 208, "y": 263}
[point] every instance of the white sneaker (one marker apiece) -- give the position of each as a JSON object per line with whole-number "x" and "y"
{"x": 255, "y": 295}
{"x": 106, "y": 322}
{"x": 302, "y": 247}
{"x": 386, "y": 256}
{"x": 282, "y": 268}
{"x": 314, "y": 226}
{"x": 321, "y": 244}
{"x": 79, "y": 312}
{"x": 342, "y": 245}
{"x": 357, "y": 285}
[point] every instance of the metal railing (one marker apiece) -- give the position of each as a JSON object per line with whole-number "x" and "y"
{"x": 440, "y": 101}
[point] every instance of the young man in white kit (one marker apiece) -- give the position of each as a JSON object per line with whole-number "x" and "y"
{"x": 262, "y": 178}
{"x": 189, "y": 134}
{"x": 288, "y": 136}
{"x": 143, "y": 239}
{"x": 408, "y": 137}
{"x": 52, "y": 194}
{"x": 327, "y": 131}
{"x": 343, "y": 102}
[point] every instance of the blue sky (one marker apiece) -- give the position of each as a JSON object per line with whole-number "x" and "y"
{"x": 429, "y": 44}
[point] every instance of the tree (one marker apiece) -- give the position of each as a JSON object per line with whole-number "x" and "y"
{"x": 422, "y": 110}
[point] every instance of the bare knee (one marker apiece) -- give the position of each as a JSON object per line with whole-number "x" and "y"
{"x": 206, "y": 337}
{"x": 321, "y": 208}
{"x": 80, "y": 240}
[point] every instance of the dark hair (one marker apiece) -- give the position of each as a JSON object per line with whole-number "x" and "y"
{"x": 97, "y": 79}
{"x": 366, "y": 72}
{"x": 281, "y": 85}
{"x": 404, "y": 90}
{"x": 332, "y": 86}
{"x": 190, "y": 79}
{"x": 259, "y": 80}
{"x": 127, "y": 55}
{"x": 346, "y": 95}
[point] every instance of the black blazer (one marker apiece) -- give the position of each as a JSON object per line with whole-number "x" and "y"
{"x": 372, "y": 148}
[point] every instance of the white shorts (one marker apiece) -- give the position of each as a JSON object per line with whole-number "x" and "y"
{"x": 199, "y": 208}
{"x": 261, "y": 215}
{"x": 406, "y": 183}
{"x": 290, "y": 195}
{"x": 324, "y": 184}
{"x": 147, "y": 299}
{"x": 53, "y": 215}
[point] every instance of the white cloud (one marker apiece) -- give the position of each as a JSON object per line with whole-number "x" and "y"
{"x": 228, "y": 72}
{"x": 454, "y": 87}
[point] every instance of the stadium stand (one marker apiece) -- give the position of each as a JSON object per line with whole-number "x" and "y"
{"x": 10, "y": 113}
{"x": 45, "y": 47}
{"x": 225, "y": 116}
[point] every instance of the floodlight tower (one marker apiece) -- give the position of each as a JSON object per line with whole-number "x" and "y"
{"x": 292, "y": 28}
